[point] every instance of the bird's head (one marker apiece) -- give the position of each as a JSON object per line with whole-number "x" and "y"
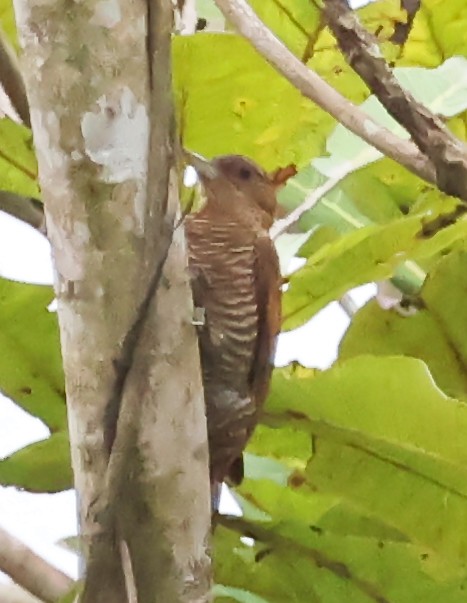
{"x": 234, "y": 179}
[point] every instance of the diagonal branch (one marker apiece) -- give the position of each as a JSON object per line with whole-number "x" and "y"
{"x": 282, "y": 225}
{"x": 30, "y": 571}
{"x": 11, "y": 593}
{"x": 25, "y": 209}
{"x": 12, "y": 80}
{"x": 447, "y": 153}
{"x": 241, "y": 15}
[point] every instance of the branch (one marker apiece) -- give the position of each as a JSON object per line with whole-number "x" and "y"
{"x": 402, "y": 30}
{"x": 12, "y": 80}
{"x": 281, "y": 226}
{"x": 25, "y": 209}
{"x": 130, "y": 583}
{"x": 312, "y": 86}
{"x": 30, "y": 571}
{"x": 347, "y": 303}
{"x": 186, "y": 17}
{"x": 447, "y": 153}
{"x": 12, "y": 593}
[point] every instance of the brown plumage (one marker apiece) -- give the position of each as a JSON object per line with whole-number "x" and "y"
{"x": 235, "y": 278}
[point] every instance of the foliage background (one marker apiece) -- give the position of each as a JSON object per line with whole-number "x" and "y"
{"x": 356, "y": 484}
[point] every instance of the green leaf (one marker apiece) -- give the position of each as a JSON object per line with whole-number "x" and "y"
{"x": 235, "y": 594}
{"x": 334, "y": 210}
{"x": 349, "y": 402}
{"x": 368, "y": 254}
{"x": 253, "y": 568}
{"x": 295, "y": 22}
{"x": 224, "y": 91}
{"x": 7, "y": 22}
{"x": 344, "y": 520}
{"x": 438, "y": 32}
{"x": 258, "y": 467}
{"x": 269, "y": 489}
{"x": 432, "y": 515}
{"x": 288, "y": 445}
{"x": 18, "y": 168}
{"x": 342, "y": 568}
{"x": 386, "y": 332}
{"x": 279, "y": 502}
{"x": 41, "y": 467}
{"x": 287, "y": 246}
{"x": 445, "y": 297}
{"x": 31, "y": 371}
{"x": 443, "y": 89}
{"x": 73, "y": 544}
{"x": 389, "y": 441}
{"x": 380, "y": 512}
{"x": 385, "y": 190}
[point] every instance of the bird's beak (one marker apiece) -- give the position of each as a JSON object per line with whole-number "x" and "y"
{"x": 204, "y": 168}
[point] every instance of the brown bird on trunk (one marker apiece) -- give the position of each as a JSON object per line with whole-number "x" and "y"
{"x": 236, "y": 282}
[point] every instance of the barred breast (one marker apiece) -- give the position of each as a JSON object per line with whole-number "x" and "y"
{"x": 221, "y": 263}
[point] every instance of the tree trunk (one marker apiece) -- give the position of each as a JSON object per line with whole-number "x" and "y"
{"x": 98, "y": 102}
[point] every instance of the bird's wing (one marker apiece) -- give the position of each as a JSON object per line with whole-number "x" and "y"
{"x": 268, "y": 299}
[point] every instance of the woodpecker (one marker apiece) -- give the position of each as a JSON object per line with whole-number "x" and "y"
{"x": 236, "y": 283}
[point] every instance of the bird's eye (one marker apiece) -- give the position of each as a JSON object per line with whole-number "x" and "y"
{"x": 245, "y": 173}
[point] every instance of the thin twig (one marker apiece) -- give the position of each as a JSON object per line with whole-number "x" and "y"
{"x": 12, "y": 81}
{"x": 280, "y": 226}
{"x": 25, "y": 209}
{"x": 445, "y": 152}
{"x": 186, "y": 17}
{"x": 402, "y": 30}
{"x": 30, "y": 571}
{"x": 241, "y": 15}
{"x": 128, "y": 573}
{"x": 347, "y": 303}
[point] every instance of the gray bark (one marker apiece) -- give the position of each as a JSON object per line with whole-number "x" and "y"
{"x": 98, "y": 103}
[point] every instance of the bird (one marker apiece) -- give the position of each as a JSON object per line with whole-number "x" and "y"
{"x": 236, "y": 284}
